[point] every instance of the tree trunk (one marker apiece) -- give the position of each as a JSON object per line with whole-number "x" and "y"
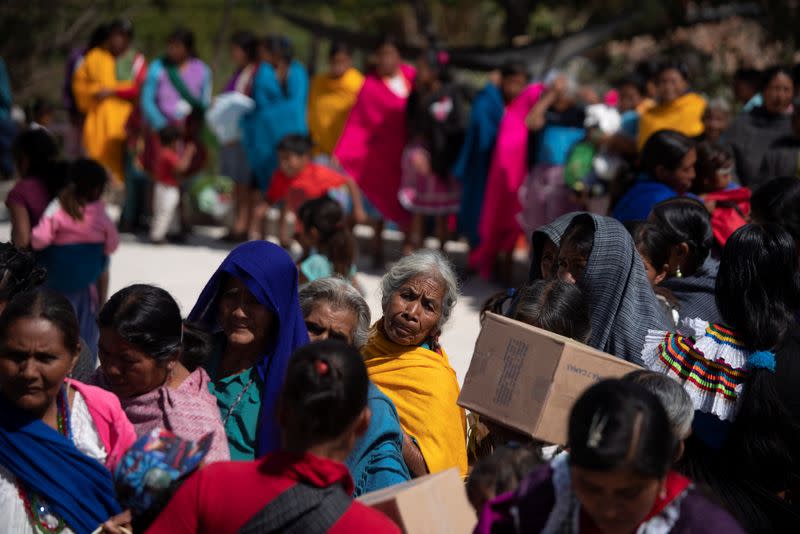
{"x": 518, "y": 14}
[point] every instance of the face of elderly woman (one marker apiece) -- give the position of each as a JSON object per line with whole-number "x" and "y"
{"x": 413, "y": 312}
{"x": 34, "y": 363}
{"x": 327, "y": 322}
{"x": 245, "y": 321}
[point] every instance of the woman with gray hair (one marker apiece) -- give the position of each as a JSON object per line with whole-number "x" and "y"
{"x": 405, "y": 361}
{"x": 333, "y": 309}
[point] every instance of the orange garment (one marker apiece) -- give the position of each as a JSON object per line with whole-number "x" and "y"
{"x": 104, "y": 127}
{"x": 313, "y": 181}
{"x": 684, "y": 115}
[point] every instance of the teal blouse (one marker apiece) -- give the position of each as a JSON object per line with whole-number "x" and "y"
{"x": 239, "y": 394}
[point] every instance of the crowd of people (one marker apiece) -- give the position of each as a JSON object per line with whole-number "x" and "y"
{"x": 662, "y": 231}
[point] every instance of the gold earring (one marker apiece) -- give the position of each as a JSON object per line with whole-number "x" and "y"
{"x": 678, "y": 273}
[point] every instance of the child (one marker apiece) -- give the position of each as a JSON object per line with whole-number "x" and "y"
{"x": 170, "y": 170}
{"x": 76, "y": 237}
{"x": 728, "y": 203}
{"x": 329, "y": 247}
{"x": 499, "y": 473}
{"x": 298, "y": 180}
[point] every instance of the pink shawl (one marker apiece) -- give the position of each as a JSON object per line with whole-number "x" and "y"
{"x": 498, "y": 228}
{"x": 371, "y": 146}
{"x": 190, "y": 411}
{"x": 115, "y": 430}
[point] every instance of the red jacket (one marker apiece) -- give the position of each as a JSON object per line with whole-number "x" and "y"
{"x": 223, "y": 496}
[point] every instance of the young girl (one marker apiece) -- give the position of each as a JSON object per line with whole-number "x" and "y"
{"x": 728, "y": 203}
{"x": 76, "y": 237}
{"x": 330, "y": 248}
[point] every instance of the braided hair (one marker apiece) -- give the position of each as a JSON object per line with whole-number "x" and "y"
{"x": 335, "y": 241}
{"x": 18, "y": 272}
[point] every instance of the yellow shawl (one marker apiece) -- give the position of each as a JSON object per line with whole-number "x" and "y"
{"x": 329, "y": 103}
{"x": 424, "y": 389}
{"x": 684, "y": 115}
{"x": 104, "y": 127}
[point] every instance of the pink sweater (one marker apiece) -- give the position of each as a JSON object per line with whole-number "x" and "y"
{"x": 56, "y": 227}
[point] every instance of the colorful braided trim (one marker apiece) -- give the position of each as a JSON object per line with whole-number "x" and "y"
{"x": 723, "y": 336}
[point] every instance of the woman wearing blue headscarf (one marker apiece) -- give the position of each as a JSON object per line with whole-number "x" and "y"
{"x": 280, "y": 93}
{"x": 250, "y": 305}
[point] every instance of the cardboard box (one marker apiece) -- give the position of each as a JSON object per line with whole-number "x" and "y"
{"x": 433, "y": 504}
{"x": 528, "y": 379}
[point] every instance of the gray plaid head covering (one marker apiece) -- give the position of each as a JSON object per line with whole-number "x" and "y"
{"x": 622, "y": 304}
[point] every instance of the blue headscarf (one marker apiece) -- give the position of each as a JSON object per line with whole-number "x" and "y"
{"x": 77, "y": 488}
{"x": 271, "y": 276}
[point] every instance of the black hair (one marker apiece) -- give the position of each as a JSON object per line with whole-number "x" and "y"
{"x": 749, "y": 76}
{"x": 296, "y": 144}
{"x": 757, "y": 284}
{"x": 499, "y": 473}
{"x": 185, "y": 37}
{"x": 148, "y": 318}
{"x": 339, "y": 47}
{"x": 18, "y": 272}
{"x": 580, "y": 234}
{"x": 389, "y": 39}
{"x": 514, "y": 68}
{"x": 673, "y": 65}
{"x": 665, "y": 148}
{"x": 98, "y": 36}
{"x": 778, "y": 201}
{"x": 647, "y": 69}
{"x": 86, "y": 181}
{"x": 635, "y": 80}
{"x": 279, "y": 46}
{"x": 711, "y": 157}
{"x": 672, "y": 222}
{"x": 439, "y": 62}
{"x": 248, "y": 43}
{"x": 38, "y": 150}
{"x": 43, "y": 304}
{"x": 336, "y": 242}
{"x": 40, "y": 106}
{"x": 168, "y": 135}
{"x": 324, "y": 391}
{"x": 123, "y": 26}
{"x": 616, "y": 424}
{"x": 555, "y": 306}
{"x": 771, "y": 73}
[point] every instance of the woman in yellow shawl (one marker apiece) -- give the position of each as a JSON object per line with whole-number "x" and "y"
{"x": 677, "y": 109}
{"x": 404, "y": 360}
{"x": 105, "y": 100}
{"x": 331, "y": 98}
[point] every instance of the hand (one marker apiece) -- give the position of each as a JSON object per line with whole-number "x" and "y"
{"x": 103, "y": 94}
{"x": 119, "y": 524}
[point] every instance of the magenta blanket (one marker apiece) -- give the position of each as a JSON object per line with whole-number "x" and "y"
{"x": 498, "y": 228}
{"x": 371, "y": 146}
{"x": 190, "y": 411}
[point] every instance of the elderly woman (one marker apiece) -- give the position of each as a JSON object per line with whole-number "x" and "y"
{"x": 333, "y": 309}
{"x": 59, "y": 438}
{"x": 250, "y": 306}
{"x": 405, "y": 361}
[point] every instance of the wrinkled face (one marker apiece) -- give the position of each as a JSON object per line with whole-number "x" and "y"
{"x": 244, "y": 320}
{"x": 512, "y": 86}
{"x": 572, "y": 262}
{"x": 327, "y": 322}
{"x": 387, "y": 60}
{"x": 778, "y": 94}
{"x": 238, "y": 56}
{"x": 34, "y": 363}
{"x": 291, "y": 163}
{"x": 549, "y": 258}
{"x": 340, "y": 63}
{"x": 671, "y": 85}
{"x": 681, "y": 178}
{"x": 129, "y": 371}
{"x": 413, "y": 312}
{"x": 629, "y": 98}
{"x": 617, "y": 501}
{"x": 177, "y": 52}
{"x": 715, "y": 122}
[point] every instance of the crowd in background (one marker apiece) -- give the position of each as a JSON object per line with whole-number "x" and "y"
{"x": 663, "y": 229}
